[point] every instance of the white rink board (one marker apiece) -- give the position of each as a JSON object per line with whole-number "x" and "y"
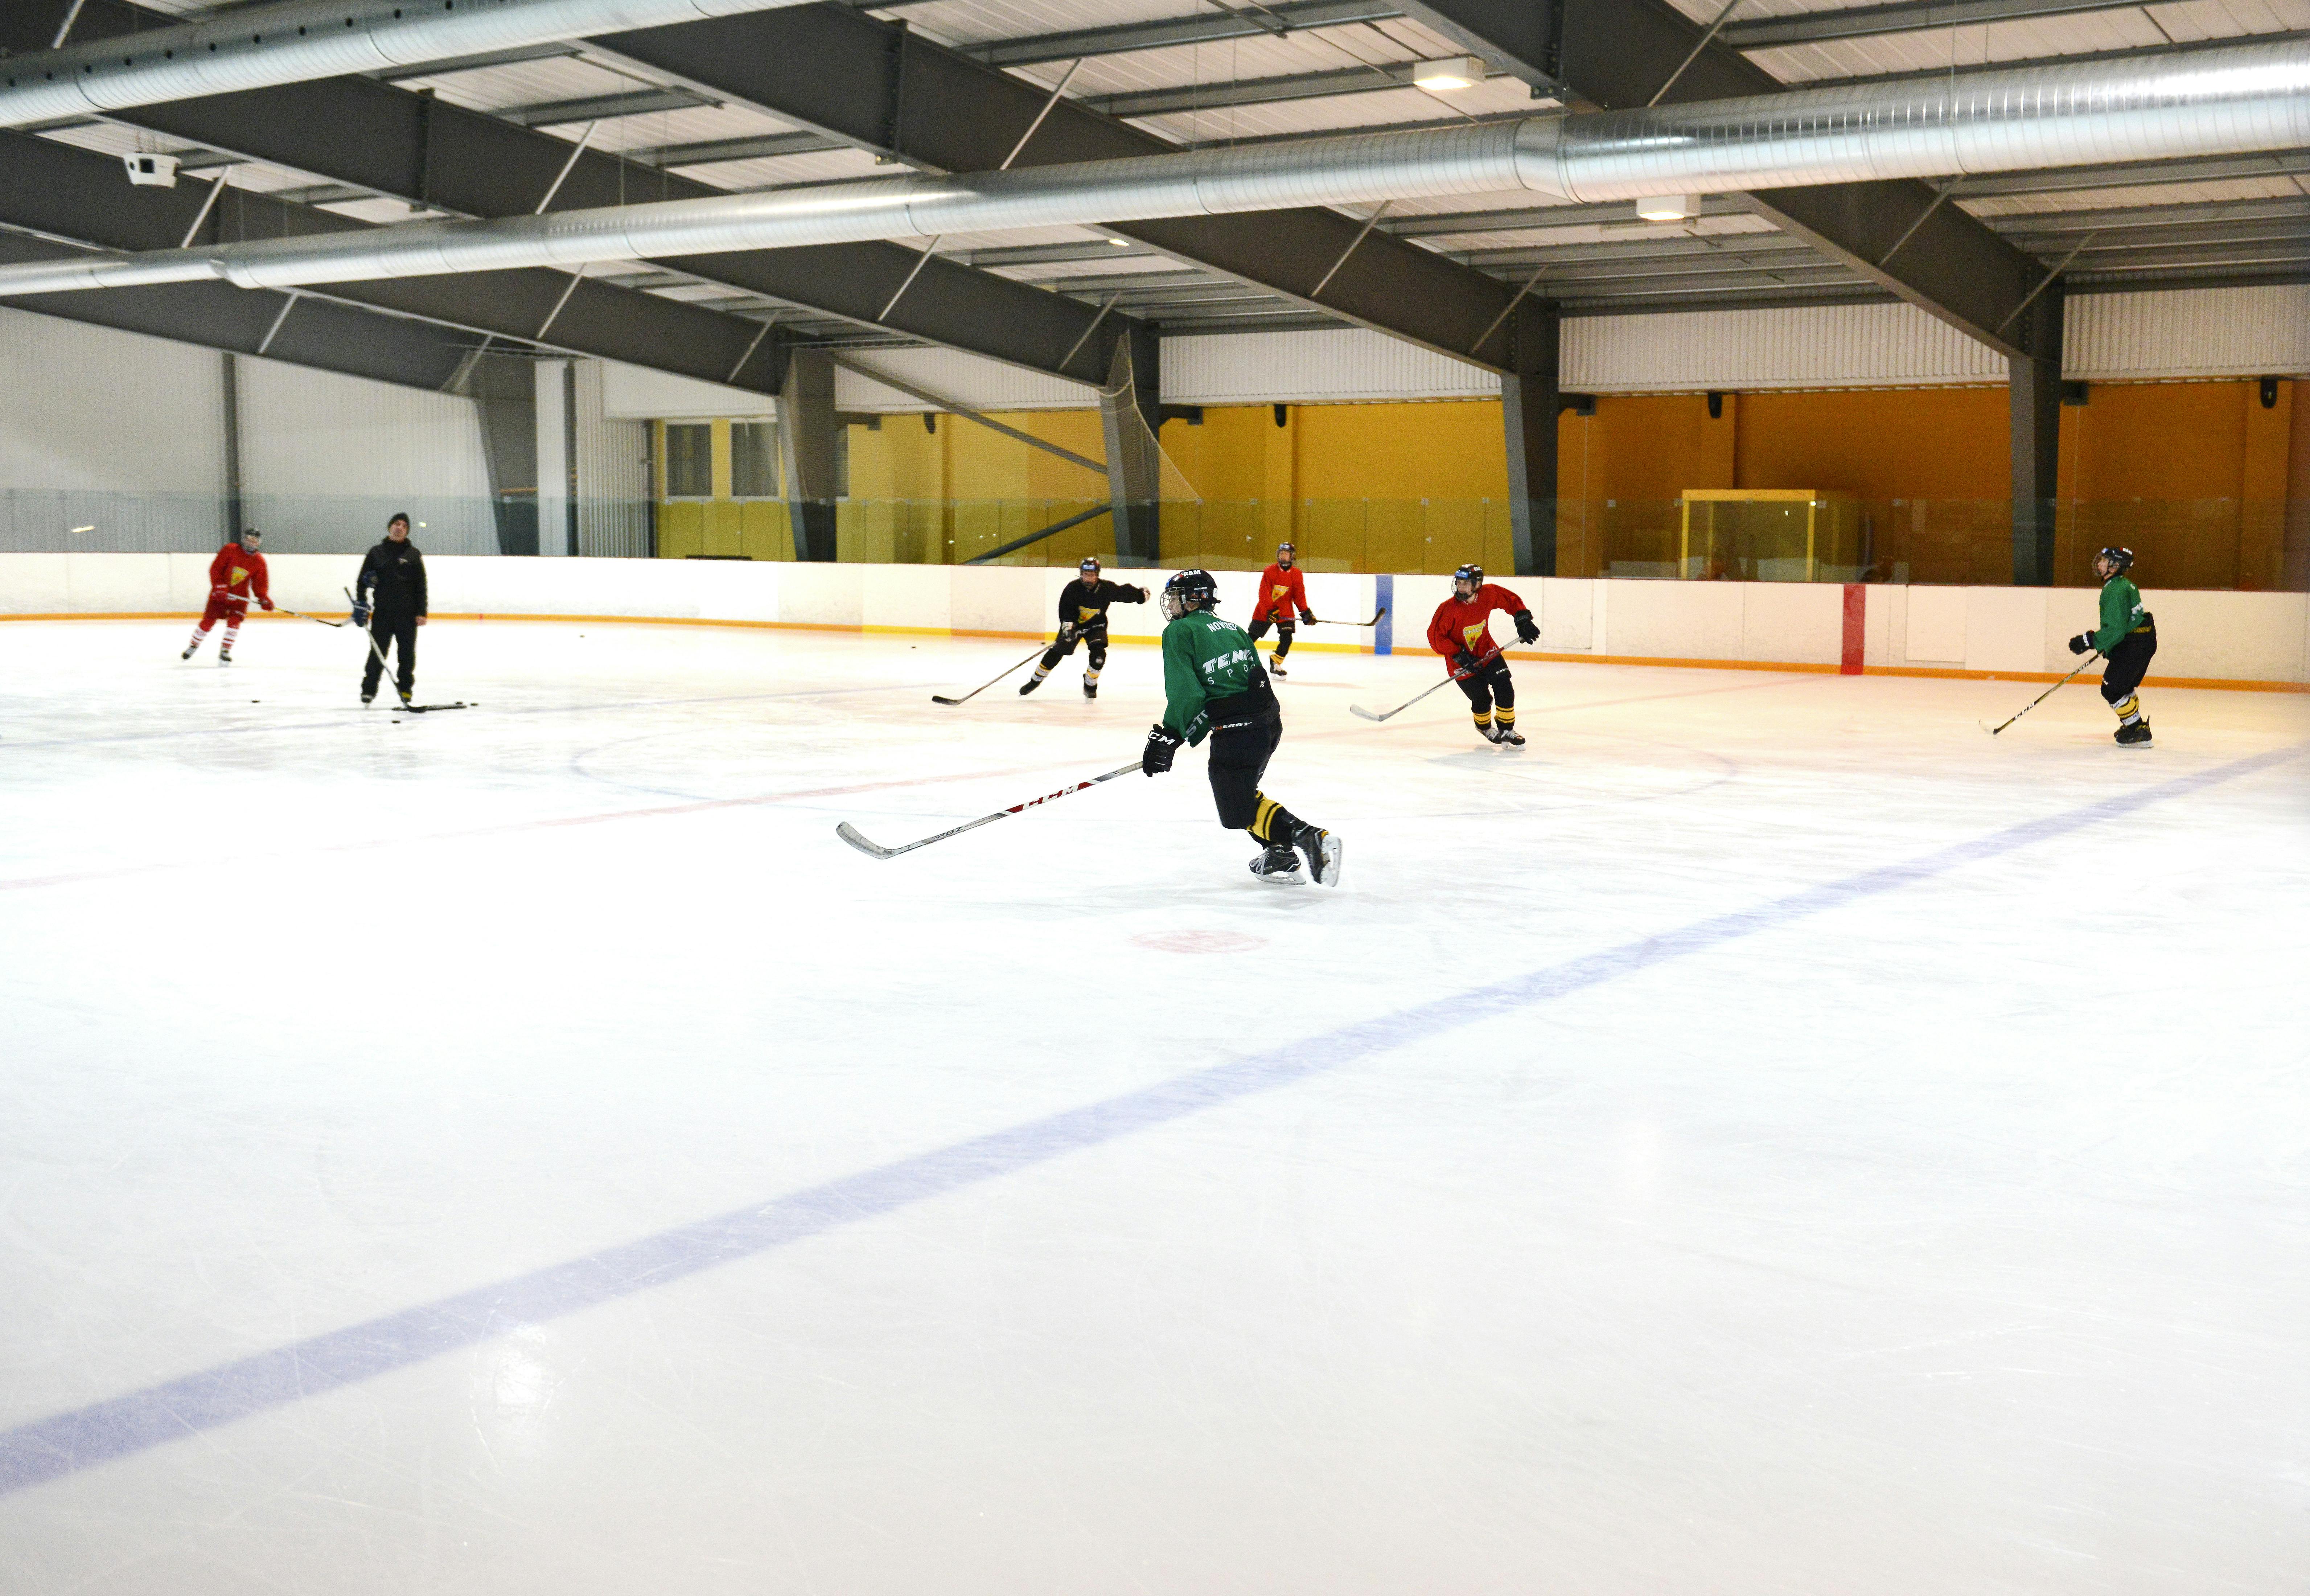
{"x": 2208, "y": 636}
{"x": 1623, "y": 1181}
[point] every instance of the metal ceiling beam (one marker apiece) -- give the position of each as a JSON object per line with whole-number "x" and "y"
{"x": 1254, "y": 21}
{"x": 875, "y": 86}
{"x": 2144, "y": 174}
{"x": 601, "y": 107}
{"x": 321, "y": 334}
{"x": 64, "y": 192}
{"x": 1215, "y": 96}
{"x": 405, "y": 146}
{"x": 2184, "y": 48}
{"x": 1904, "y": 16}
{"x": 1625, "y": 53}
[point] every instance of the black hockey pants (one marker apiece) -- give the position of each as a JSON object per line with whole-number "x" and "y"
{"x": 2129, "y": 663}
{"x": 1284, "y": 632}
{"x": 1092, "y": 637}
{"x": 1487, "y": 682}
{"x": 391, "y": 631}
{"x": 1240, "y": 750}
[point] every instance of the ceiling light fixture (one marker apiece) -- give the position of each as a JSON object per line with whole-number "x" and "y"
{"x": 1454, "y": 71}
{"x": 1668, "y": 207}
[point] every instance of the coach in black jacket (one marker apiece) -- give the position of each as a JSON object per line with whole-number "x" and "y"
{"x": 389, "y": 600}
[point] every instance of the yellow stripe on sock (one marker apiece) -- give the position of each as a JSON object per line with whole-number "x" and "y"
{"x": 1506, "y": 717}
{"x": 1263, "y": 817}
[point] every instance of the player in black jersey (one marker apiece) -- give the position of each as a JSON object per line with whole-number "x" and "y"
{"x": 1082, "y": 619}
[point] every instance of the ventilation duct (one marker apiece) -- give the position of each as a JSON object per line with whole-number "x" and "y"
{"x": 294, "y": 41}
{"x": 2228, "y": 101}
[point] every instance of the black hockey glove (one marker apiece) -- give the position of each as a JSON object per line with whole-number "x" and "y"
{"x": 2081, "y": 643}
{"x": 1464, "y": 663}
{"x": 1307, "y": 618}
{"x": 1162, "y": 743}
{"x": 1067, "y": 631}
{"x": 1527, "y": 629}
{"x": 360, "y": 614}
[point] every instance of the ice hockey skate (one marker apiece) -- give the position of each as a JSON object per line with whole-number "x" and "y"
{"x": 1326, "y": 853}
{"x": 1278, "y": 867}
{"x": 2135, "y": 733}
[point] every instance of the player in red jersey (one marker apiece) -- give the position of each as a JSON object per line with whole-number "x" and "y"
{"x": 236, "y": 574}
{"x": 1282, "y": 603}
{"x": 1462, "y": 632}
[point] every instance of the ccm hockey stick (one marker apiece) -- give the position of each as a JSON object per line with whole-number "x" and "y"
{"x": 974, "y": 692}
{"x": 1408, "y": 703}
{"x": 851, "y": 834}
{"x": 385, "y": 672}
{"x": 2040, "y": 698}
{"x": 300, "y": 615}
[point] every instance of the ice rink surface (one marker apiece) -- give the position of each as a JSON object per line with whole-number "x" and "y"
{"x": 1763, "y": 1137}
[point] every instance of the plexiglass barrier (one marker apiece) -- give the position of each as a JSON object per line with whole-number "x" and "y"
{"x": 1759, "y": 537}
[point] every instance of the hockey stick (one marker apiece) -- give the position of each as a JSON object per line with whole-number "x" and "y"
{"x": 851, "y": 835}
{"x": 300, "y": 615}
{"x": 1400, "y": 709}
{"x": 2040, "y": 698}
{"x": 384, "y": 670}
{"x": 1373, "y": 621}
{"x": 974, "y": 692}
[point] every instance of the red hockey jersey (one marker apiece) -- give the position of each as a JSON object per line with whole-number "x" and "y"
{"x": 238, "y": 572}
{"x": 1283, "y": 594}
{"x": 1466, "y": 623}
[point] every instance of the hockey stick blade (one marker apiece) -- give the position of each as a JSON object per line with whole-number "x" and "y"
{"x": 949, "y": 703}
{"x": 429, "y": 708}
{"x": 851, "y": 835}
{"x": 1368, "y": 715}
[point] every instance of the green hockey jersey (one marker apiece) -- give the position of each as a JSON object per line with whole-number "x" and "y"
{"x": 2120, "y": 613}
{"x": 1204, "y": 659}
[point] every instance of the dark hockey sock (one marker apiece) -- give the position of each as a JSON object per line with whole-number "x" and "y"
{"x": 1272, "y": 823}
{"x": 1506, "y": 716}
{"x": 1483, "y": 720}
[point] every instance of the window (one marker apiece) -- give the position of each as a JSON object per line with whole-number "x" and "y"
{"x": 689, "y": 460}
{"x": 754, "y": 459}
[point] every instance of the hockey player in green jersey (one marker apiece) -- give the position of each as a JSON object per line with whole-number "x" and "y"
{"x": 1214, "y": 684}
{"x": 2127, "y": 638}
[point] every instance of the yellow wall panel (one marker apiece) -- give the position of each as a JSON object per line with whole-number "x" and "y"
{"x": 681, "y": 529}
{"x": 764, "y": 531}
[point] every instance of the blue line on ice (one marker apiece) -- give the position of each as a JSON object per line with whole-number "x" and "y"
{"x": 67, "y": 1443}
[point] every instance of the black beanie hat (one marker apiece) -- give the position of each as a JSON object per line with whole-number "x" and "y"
{"x": 400, "y": 515}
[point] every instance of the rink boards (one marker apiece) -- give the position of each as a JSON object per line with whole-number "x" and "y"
{"x": 2206, "y": 638}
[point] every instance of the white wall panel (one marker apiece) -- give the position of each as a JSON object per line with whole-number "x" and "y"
{"x": 613, "y": 508}
{"x": 2206, "y": 332}
{"x": 326, "y": 458}
{"x": 1812, "y": 346}
{"x": 108, "y": 430}
{"x": 1313, "y": 368}
{"x": 636, "y": 393}
{"x": 969, "y": 380}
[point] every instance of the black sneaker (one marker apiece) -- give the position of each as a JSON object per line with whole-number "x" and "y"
{"x": 1279, "y": 866}
{"x": 1326, "y": 853}
{"x": 2135, "y": 733}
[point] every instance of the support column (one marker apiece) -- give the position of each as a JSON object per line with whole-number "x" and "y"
{"x": 1528, "y": 405}
{"x": 2035, "y": 396}
{"x": 553, "y": 420}
{"x": 504, "y": 392}
{"x": 1130, "y": 412}
{"x": 235, "y": 511}
{"x": 806, "y": 424}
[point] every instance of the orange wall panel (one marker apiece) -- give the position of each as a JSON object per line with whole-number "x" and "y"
{"x": 1902, "y": 443}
